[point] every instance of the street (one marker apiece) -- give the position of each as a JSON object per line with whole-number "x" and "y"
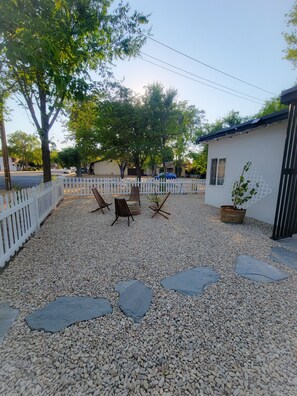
{"x": 27, "y": 179}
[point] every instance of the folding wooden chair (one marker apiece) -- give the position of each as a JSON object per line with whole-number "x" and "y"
{"x": 122, "y": 210}
{"x": 134, "y": 194}
{"x": 102, "y": 204}
{"x": 158, "y": 208}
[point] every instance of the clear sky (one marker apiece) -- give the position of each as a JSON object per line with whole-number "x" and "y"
{"x": 241, "y": 38}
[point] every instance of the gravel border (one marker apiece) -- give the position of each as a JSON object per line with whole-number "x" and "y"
{"x": 238, "y": 338}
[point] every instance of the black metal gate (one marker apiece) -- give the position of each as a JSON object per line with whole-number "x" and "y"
{"x": 285, "y": 222}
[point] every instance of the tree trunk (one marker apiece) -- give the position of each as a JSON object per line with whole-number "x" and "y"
{"x": 138, "y": 172}
{"x": 46, "y": 157}
{"x": 122, "y": 166}
{"x": 4, "y": 152}
{"x": 43, "y": 133}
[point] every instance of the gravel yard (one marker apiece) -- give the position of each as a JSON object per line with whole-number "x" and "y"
{"x": 238, "y": 338}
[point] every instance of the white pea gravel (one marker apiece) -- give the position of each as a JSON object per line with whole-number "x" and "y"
{"x": 238, "y": 338}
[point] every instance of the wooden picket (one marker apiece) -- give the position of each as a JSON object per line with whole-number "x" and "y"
{"x": 109, "y": 186}
{"x": 21, "y": 214}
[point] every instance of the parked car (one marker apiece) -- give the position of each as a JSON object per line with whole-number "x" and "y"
{"x": 166, "y": 175}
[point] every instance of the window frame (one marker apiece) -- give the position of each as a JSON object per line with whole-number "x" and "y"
{"x": 217, "y": 171}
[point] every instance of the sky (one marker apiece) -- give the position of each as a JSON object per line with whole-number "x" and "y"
{"x": 237, "y": 37}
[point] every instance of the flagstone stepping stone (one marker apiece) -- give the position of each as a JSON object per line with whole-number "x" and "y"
{"x": 251, "y": 268}
{"x": 192, "y": 281}
{"x": 65, "y": 311}
{"x": 284, "y": 256}
{"x": 7, "y": 318}
{"x": 135, "y": 298}
{"x": 289, "y": 243}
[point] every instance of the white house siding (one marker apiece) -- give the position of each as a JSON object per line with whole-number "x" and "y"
{"x": 12, "y": 166}
{"x": 264, "y": 147}
{"x": 107, "y": 168}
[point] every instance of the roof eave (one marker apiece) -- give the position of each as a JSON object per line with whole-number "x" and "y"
{"x": 246, "y": 127}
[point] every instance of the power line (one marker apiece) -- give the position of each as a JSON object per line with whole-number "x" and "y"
{"x": 202, "y": 78}
{"x": 200, "y": 82}
{"x": 209, "y": 66}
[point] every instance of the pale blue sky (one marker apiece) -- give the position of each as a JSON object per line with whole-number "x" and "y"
{"x": 242, "y": 38}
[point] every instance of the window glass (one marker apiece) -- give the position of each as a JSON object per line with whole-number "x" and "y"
{"x": 213, "y": 171}
{"x": 221, "y": 171}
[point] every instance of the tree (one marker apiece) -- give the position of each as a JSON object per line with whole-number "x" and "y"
{"x": 24, "y": 147}
{"x": 135, "y": 130}
{"x": 199, "y": 161}
{"x": 231, "y": 119}
{"x": 48, "y": 47}
{"x": 5, "y": 89}
{"x": 81, "y": 125}
{"x": 70, "y": 156}
{"x": 189, "y": 122}
{"x": 122, "y": 131}
{"x": 271, "y": 105}
{"x": 162, "y": 115}
{"x": 291, "y": 38}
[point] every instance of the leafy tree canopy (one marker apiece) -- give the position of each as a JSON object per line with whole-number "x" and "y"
{"x": 291, "y": 36}
{"x": 136, "y": 129}
{"x": 25, "y": 147}
{"x": 69, "y": 156}
{"x": 48, "y": 47}
{"x": 271, "y": 105}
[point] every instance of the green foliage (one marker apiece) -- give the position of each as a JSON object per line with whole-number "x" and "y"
{"x": 271, "y": 105}
{"x": 240, "y": 191}
{"x": 25, "y": 147}
{"x": 47, "y": 48}
{"x": 136, "y": 130}
{"x": 69, "y": 157}
{"x": 199, "y": 164}
{"x": 291, "y": 37}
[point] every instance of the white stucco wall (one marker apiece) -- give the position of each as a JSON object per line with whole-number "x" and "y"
{"x": 264, "y": 148}
{"x": 12, "y": 166}
{"x": 107, "y": 168}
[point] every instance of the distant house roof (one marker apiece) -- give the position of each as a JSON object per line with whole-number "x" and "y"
{"x": 249, "y": 125}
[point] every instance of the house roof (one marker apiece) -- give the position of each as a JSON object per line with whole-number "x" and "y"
{"x": 249, "y": 125}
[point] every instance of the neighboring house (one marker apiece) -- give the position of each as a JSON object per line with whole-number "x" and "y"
{"x": 12, "y": 165}
{"x": 107, "y": 168}
{"x": 111, "y": 168}
{"x": 260, "y": 141}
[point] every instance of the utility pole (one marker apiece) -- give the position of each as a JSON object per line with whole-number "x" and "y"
{"x": 4, "y": 149}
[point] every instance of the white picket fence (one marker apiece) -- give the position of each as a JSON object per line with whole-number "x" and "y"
{"x": 82, "y": 187}
{"x": 22, "y": 212}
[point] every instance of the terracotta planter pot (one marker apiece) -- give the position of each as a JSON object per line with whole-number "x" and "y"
{"x": 231, "y": 215}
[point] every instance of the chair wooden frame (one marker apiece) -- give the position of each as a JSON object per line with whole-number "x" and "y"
{"x": 122, "y": 210}
{"x": 101, "y": 203}
{"x": 158, "y": 208}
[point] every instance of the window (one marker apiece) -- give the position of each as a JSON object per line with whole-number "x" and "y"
{"x": 213, "y": 171}
{"x": 217, "y": 171}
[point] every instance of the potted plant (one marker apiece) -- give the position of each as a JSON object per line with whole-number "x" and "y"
{"x": 241, "y": 193}
{"x": 154, "y": 198}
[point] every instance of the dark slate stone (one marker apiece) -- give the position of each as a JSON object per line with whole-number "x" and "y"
{"x": 135, "y": 298}
{"x": 122, "y": 286}
{"x": 191, "y": 282}
{"x": 257, "y": 270}
{"x": 284, "y": 256}
{"x": 289, "y": 243}
{"x": 65, "y": 311}
{"x": 7, "y": 317}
